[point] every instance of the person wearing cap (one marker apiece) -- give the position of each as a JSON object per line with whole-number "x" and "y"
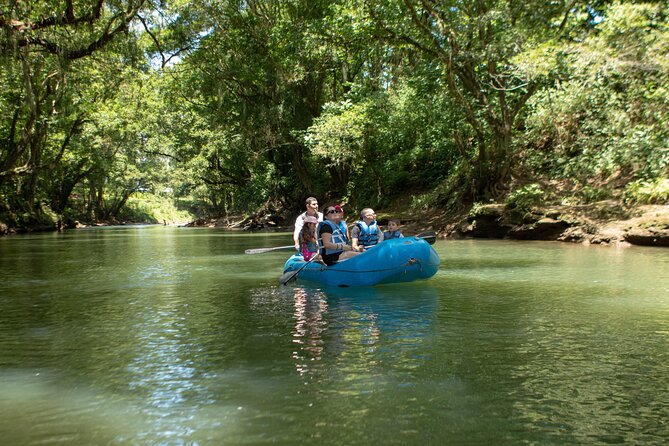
{"x": 312, "y": 211}
{"x": 333, "y": 237}
{"x": 307, "y": 238}
{"x": 366, "y": 232}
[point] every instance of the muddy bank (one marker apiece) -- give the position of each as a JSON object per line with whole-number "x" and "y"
{"x": 272, "y": 222}
{"x": 605, "y": 223}
{"x": 599, "y": 223}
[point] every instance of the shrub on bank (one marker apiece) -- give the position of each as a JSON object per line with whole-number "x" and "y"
{"x": 526, "y": 197}
{"x": 647, "y": 192}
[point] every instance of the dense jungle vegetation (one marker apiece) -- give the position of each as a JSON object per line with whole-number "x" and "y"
{"x": 157, "y": 110}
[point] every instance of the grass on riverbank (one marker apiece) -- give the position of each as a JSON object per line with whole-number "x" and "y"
{"x": 149, "y": 208}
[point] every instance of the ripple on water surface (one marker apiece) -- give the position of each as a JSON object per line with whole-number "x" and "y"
{"x": 172, "y": 335}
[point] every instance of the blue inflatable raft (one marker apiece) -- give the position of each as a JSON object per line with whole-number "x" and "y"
{"x": 392, "y": 261}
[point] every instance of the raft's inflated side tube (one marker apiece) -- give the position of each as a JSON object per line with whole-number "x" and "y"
{"x": 392, "y": 261}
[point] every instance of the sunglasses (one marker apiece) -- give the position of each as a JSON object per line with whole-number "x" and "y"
{"x": 333, "y": 211}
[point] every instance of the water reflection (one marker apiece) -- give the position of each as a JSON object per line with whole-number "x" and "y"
{"x": 310, "y": 308}
{"x": 356, "y": 330}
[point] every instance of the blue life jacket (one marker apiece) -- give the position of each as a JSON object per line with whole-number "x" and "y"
{"x": 369, "y": 235}
{"x": 395, "y": 234}
{"x": 338, "y": 235}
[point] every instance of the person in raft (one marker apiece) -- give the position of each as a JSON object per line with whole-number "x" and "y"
{"x": 332, "y": 235}
{"x": 312, "y": 211}
{"x": 393, "y": 229}
{"x": 366, "y": 232}
{"x": 308, "y": 239}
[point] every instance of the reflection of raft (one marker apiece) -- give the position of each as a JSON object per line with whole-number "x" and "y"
{"x": 396, "y": 260}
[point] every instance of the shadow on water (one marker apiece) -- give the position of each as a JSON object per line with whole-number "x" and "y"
{"x": 387, "y": 322}
{"x": 345, "y": 319}
{"x": 368, "y": 354}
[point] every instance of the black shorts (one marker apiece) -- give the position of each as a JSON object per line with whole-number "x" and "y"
{"x": 330, "y": 259}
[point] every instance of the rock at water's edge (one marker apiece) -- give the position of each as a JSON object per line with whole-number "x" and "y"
{"x": 649, "y": 237}
{"x": 650, "y": 226}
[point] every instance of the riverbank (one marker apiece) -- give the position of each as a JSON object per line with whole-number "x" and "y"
{"x": 53, "y": 226}
{"x": 603, "y": 223}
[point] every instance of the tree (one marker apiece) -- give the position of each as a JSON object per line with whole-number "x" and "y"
{"x": 257, "y": 78}
{"x": 476, "y": 44}
{"x": 604, "y": 124}
{"x": 41, "y": 43}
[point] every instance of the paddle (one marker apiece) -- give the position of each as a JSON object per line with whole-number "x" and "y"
{"x": 290, "y": 275}
{"x": 428, "y": 236}
{"x": 261, "y": 250}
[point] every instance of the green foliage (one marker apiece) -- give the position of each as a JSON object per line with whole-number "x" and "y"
{"x": 592, "y": 194}
{"x": 239, "y": 106}
{"x": 56, "y": 73}
{"x": 338, "y": 135}
{"x": 605, "y": 124}
{"x": 153, "y": 208}
{"x": 391, "y": 141}
{"x": 476, "y": 208}
{"x": 526, "y": 197}
{"x": 451, "y": 194}
{"x": 647, "y": 192}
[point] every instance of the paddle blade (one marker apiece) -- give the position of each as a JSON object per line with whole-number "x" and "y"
{"x": 430, "y": 239}
{"x": 261, "y": 250}
{"x": 428, "y": 236}
{"x": 288, "y": 277}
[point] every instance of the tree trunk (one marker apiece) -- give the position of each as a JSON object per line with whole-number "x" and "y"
{"x": 301, "y": 168}
{"x": 340, "y": 176}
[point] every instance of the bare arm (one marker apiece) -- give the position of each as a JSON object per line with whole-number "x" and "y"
{"x": 355, "y": 233}
{"x": 299, "y": 223}
{"x": 327, "y": 243}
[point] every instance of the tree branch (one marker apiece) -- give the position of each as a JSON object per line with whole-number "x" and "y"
{"x": 68, "y": 18}
{"x": 23, "y": 170}
{"x": 566, "y": 15}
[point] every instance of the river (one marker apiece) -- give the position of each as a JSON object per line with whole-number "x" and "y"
{"x": 173, "y": 336}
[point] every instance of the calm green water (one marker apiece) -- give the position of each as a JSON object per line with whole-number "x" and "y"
{"x": 173, "y": 336}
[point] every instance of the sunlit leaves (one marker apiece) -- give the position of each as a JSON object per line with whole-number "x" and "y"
{"x": 540, "y": 62}
{"x": 338, "y": 135}
{"x": 606, "y": 121}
